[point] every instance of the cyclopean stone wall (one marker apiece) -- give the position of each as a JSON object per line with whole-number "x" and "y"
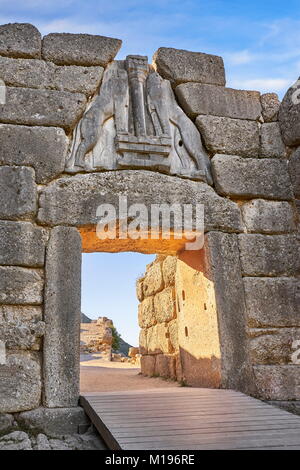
{"x": 250, "y": 261}
{"x": 158, "y": 319}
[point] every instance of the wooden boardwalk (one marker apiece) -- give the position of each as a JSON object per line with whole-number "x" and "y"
{"x": 189, "y": 419}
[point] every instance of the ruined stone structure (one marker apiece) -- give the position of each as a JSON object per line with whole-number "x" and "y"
{"x": 78, "y": 130}
{"x": 96, "y": 336}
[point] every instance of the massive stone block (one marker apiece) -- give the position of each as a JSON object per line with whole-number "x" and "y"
{"x": 262, "y": 216}
{"x": 294, "y": 170}
{"x": 165, "y": 366}
{"x": 153, "y": 280}
{"x": 22, "y": 243}
{"x": 197, "y": 98}
{"x": 249, "y": 177}
{"x": 158, "y": 339}
{"x": 181, "y": 66}
{"x": 164, "y": 305}
{"x": 278, "y": 382}
{"x": 173, "y": 334}
{"x": 148, "y": 365}
{"x": 53, "y": 422}
{"x": 271, "y": 141}
{"x": 44, "y": 148}
{"x": 79, "y": 49}
{"x": 21, "y": 286}
{"x": 229, "y": 136}
{"x": 62, "y": 318}
{"x": 272, "y": 302}
{"x": 289, "y": 116}
{"x": 29, "y": 73}
{"x": 146, "y": 313}
{"x": 270, "y": 106}
{"x": 20, "y": 384}
{"x": 18, "y": 314}
{"x": 223, "y": 267}
{"x": 23, "y": 335}
{"x": 273, "y": 345}
{"x": 42, "y": 107}
{"x": 269, "y": 255}
{"x": 21, "y": 327}
{"x": 143, "y": 341}
{"x": 20, "y": 40}
{"x": 60, "y": 203}
{"x": 84, "y": 80}
{"x": 18, "y": 192}
{"x": 169, "y": 270}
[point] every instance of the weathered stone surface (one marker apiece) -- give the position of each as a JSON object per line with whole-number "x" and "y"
{"x": 272, "y": 302}
{"x": 165, "y": 366}
{"x": 272, "y": 145}
{"x": 169, "y": 270}
{"x": 16, "y": 440}
{"x": 269, "y": 255}
{"x": 153, "y": 280}
{"x": 17, "y": 192}
{"x": 261, "y": 216}
{"x": 22, "y": 244}
{"x": 158, "y": 339}
{"x": 42, "y": 107}
{"x": 229, "y": 136}
{"x": 29, "y": 73}
{"x": 84, "y": 80}
{"x": 224, "y": 268}
{"x": 278, "y": 382}
{"x": 249, "y": 177}
{"x": 146, "y": 313}
{"x": 143, "y": 341}
{"x": 289, "y": 116}
{"x": 79, "y": 49}
{"x": 139, "y": 289}
{"x": 44, "y": 148}
{"x": 22, "y": 335}
{"x": 273, "y": 345}
{"x": 164, "y": 305}
{"x": 20, "y": 40}
{"x": 62, "y": 318}
{"x": 173, "y": 334}
{"x": 21, "y": 286}
{"x": 53, "y": 422}
{"x": 197, "y": 98}
{"x": 17, "y": 314}
{"x": 20, "y": 384}
{"x": 180, "y": 66}
{"x": 270, "y": 106}
{"x": 75, "y": 200}
{"x": 109, "y": 133}
{"x": 294, "y": 170}
{"x": 148, "y": 365}
{"x": 6, "y": 422}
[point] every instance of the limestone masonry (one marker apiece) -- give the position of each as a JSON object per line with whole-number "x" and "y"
{"x": 78, "y": 129}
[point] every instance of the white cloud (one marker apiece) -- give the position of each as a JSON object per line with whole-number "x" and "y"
{"x": 262, "y": 84}
{"x": 239, "y": 57}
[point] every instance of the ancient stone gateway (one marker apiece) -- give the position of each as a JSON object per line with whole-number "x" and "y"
{"x": 78, "y": 130}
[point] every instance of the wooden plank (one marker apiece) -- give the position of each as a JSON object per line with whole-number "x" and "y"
{"x": 104, "y": 432}
{"x": 192, "y": 419}
{"x": 206, "y": 428}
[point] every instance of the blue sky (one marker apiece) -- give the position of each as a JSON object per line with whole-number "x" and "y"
{"x": 259, "y": 41}
{"x": 108, "y": 289}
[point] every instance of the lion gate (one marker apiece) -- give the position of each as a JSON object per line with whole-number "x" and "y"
{"x": 79, "y": 129}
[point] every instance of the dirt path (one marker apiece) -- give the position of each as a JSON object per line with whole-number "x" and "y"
{"x": 99, "y": 376}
